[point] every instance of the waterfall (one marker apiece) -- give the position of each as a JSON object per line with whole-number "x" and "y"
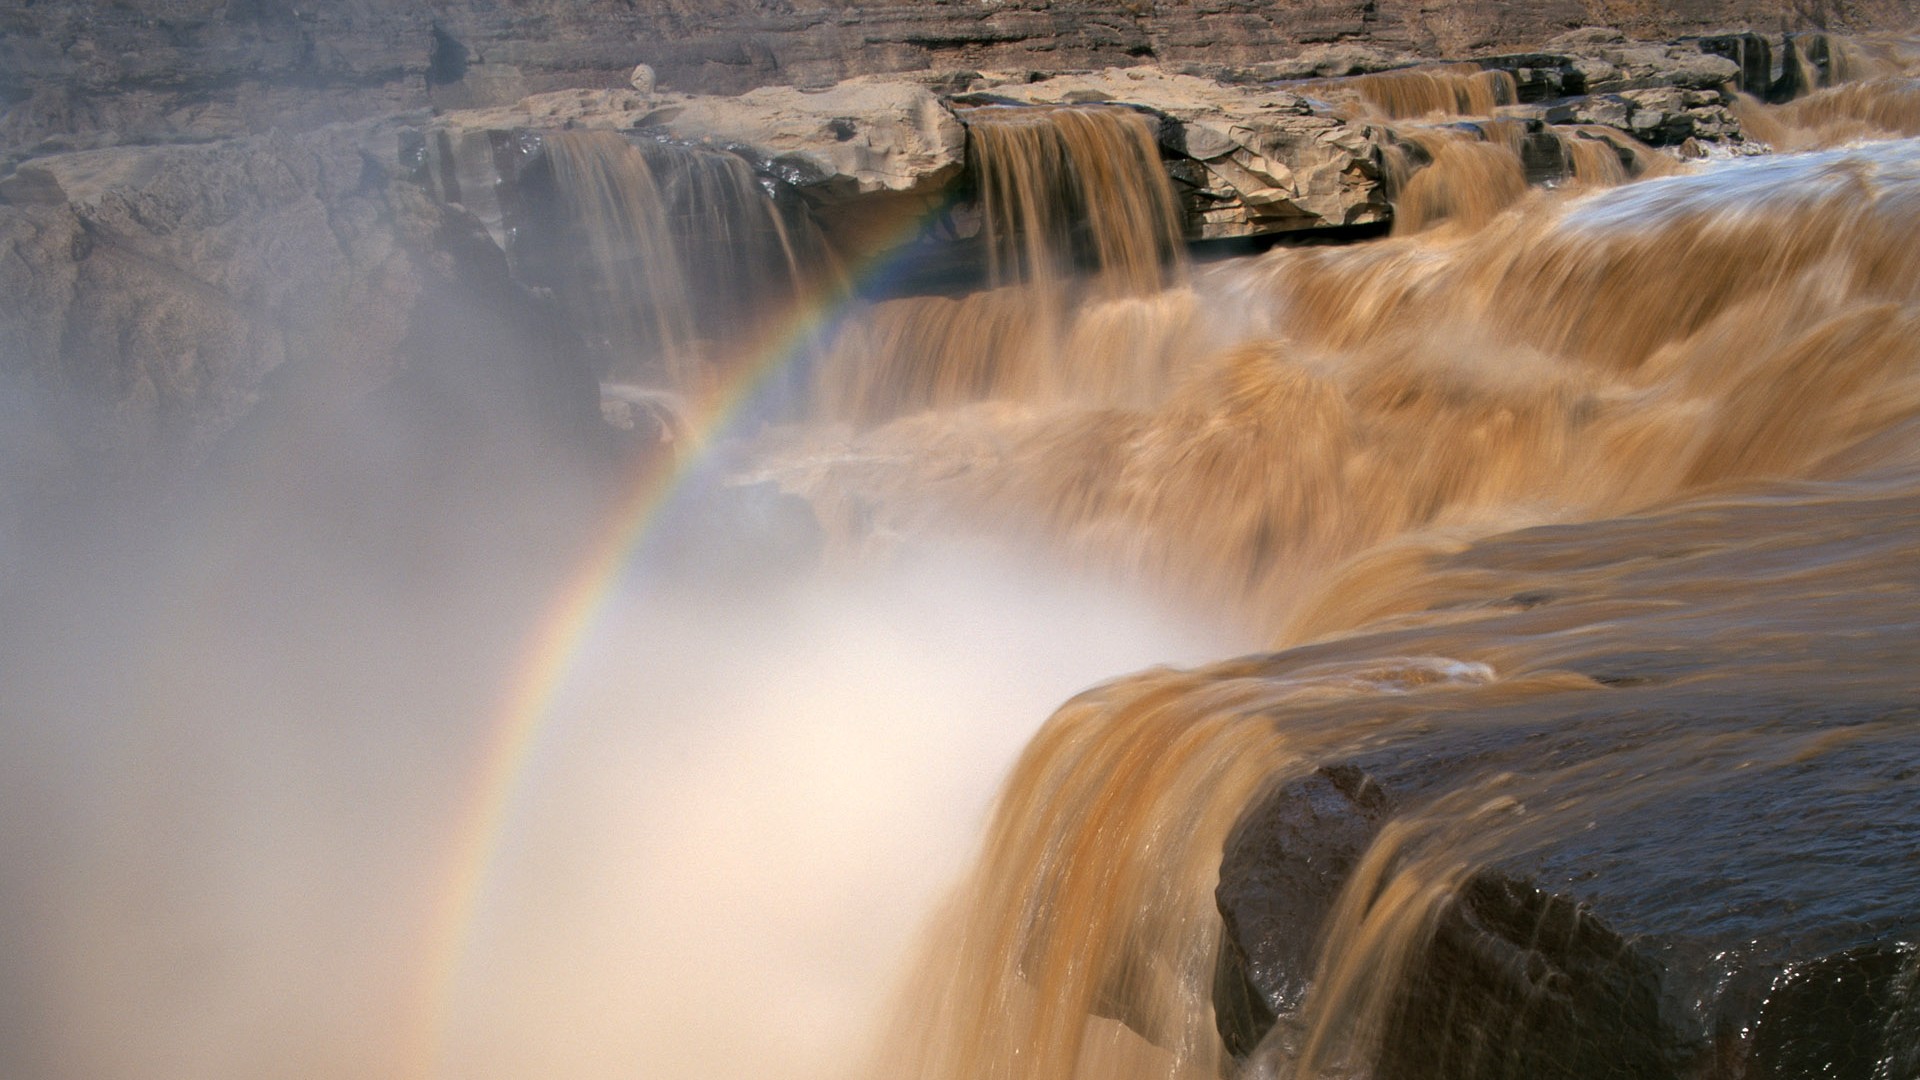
{"x": 1070, "y": 188}
{"x": 1740, "y": 341}
{"x": 667, "y": 258}
{"x": 1084, "y": 255}
{"x": 1440, "y": 90}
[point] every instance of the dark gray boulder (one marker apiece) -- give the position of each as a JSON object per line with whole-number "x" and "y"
{"x": 1695, "y": 920}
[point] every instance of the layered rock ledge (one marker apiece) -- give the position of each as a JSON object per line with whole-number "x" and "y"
{"x": 1253, "y": 151}
{"x": 149, "y": 244}
{"x": 212, "y": 68}
{"x": 1667, "y": 858}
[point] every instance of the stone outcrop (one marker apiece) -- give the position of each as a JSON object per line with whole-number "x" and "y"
{"x": 150, "y": 69}
{"x": 159, "y": 261}
{"x": 1608, "y": 950}
{"x": 860, "y": 137}
{"x": 1752, "y": 52}
{"x": 1285, "y": 865}
{"x": 1661, "y": 94}
{"x": 1247, "y": 161}
{"x": 156, "y": 295}
{"x": 1608, "y": 62}
{"x": 1248, "y": 158}
{"x": 1669, "y": 862}
{"x": 863, "y": 155}
{"x": 1664, "y": 116}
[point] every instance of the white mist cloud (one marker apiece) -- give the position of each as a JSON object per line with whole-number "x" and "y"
{"x": 236, "y": 744}
{"x": 742, "y": 814}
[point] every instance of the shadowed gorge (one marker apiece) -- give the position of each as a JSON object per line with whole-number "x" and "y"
{"x": 1359, "y": 560}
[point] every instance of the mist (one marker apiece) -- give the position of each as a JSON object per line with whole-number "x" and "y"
{"x": 247, "y": 707}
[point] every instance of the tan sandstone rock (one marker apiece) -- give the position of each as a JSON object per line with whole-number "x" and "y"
{"x": 860, "y": 137}
{"x": 1267, "y": 162}
{"x": 150, "y": 293}
{"x": 863, "y": 136}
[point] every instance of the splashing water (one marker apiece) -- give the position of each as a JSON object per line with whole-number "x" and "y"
{"x": 1361, "y": 416}
{"x": 1083, "y": 244}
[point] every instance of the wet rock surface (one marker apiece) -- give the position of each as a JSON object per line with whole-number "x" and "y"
{"x": 1247, "y": 161}
{"x": 1664, "y": 116}
{"x": 1284, "y": 867}
{"x": 1725, "y": 918}
{"x": 1686, "y": 872}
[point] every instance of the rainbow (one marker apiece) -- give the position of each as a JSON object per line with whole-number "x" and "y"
{"x": 567, "y": 624}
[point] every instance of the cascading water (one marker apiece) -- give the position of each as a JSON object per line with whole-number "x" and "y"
{"x": 629, "y": 293}
{"x": 1067, "y": 188}
{"x": 1319, "y": 460}
{"x": 1083, "y": 246}
{"x": 1441, "y": 90}
{"x": 667, "y": 257}
{"x": 1313, "y": 448}
{"x": 1551, "y": 363}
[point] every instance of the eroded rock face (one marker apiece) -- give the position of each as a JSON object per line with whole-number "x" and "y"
{"x": 1288, "y": 860}
{"x": 864, "y": 156}
{"x": 1752, "y": 52}
{"x": 1248, "y": 160}
{"x": 209, "y": 69}
{"x": 88, "y": 74}
{"x": 1617, "y": 951}
{"x": 1611, "y": 63}
{"x": 1662, "y": 116}
{"x": 152, "y": 291}
{"x": 1672, "y": 865}
{"x": 860, "y": 137}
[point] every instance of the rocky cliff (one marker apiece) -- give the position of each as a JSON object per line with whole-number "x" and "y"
{"x": 153, "y": 69}
{"x": 195, "y": 195}
{"x": 149, "y": 296}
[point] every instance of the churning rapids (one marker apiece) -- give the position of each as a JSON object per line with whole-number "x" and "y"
{"x": 1568, "y": 540}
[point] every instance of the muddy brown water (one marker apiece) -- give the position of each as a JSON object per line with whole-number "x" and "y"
{"x": 1624, "y": 479}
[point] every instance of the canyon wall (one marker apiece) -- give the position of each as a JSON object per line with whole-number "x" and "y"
{"x": 84, "y": 72}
